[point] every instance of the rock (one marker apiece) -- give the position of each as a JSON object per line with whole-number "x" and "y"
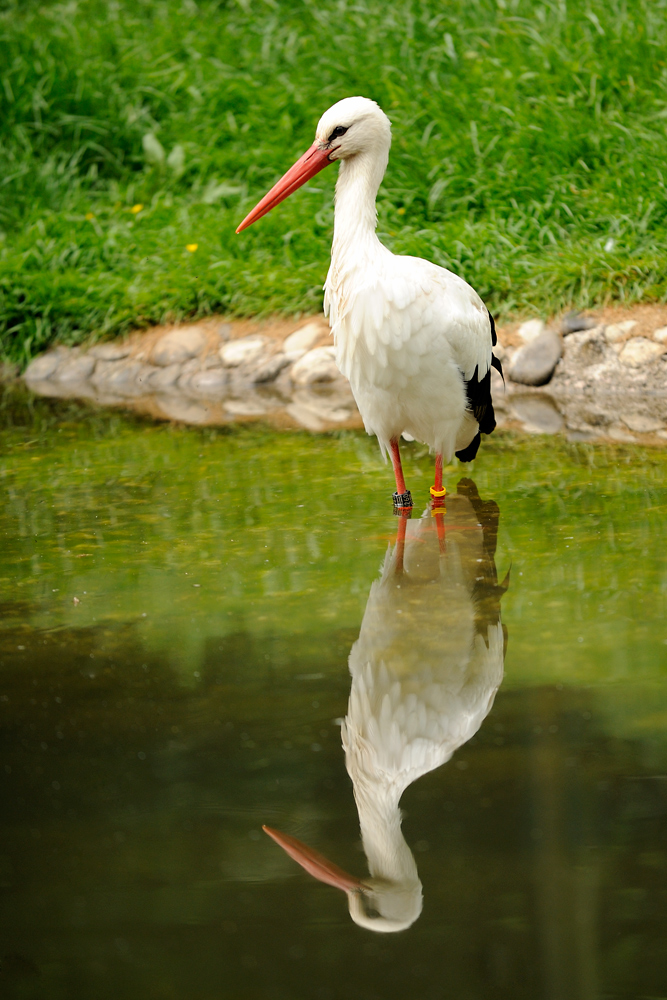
{"x": 182, "y": 409}
{"x": 144, "y": 376}
{"x": 303, "y": 339}
{"x": 660, "y": 335}
{"x": 618, "y": 433}
{"x": 640, "y": 351}
{"x": 318, "y": 365}
{"x": 225, "y": 331}
{"x": 242, "y": 352}
{"x": 75, "y": 369}
{"x": 211, "y": 381}
{"x": 178, "y": 345}
{"x": 538, "y": 414}
{"x": 332, "y": 407}
{"x": 531, "y": 330}
{"x": 534, "y": 363}
{"x": 117, "y": 376}
{"x": 616, "y": 331}
{"x": 164, "y": 378}
{"x": 109, "y": 352}
{"x": 642, "y": 424}
{"x": 188, "y": 369}
{"x": 251, "y": 406}
{"x": 271, "y": 369}
{"x": 305, "y": 416}
{"x": 43, "y": 367}
{"x": 574, "y": 322}
{"x": 587, "y": 348}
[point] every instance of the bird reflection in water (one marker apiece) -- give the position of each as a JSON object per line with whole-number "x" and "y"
{"x": 425, "y": 670}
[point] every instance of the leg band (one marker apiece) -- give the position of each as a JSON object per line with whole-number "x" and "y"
{"x": 403, "y": 499}
{"x": 438, "y": 493}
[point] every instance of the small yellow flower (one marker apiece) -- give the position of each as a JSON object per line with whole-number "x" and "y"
{"x": 136, "y": 208}
{"x": 89, "y": 216}
{"x": 401, "y": 211}
{"x": 191, "y": 247}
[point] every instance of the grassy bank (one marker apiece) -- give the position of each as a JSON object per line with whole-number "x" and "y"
{"x": 529, "y": 152}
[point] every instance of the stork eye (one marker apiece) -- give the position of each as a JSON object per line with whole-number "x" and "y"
{"x": 338, "y": 131}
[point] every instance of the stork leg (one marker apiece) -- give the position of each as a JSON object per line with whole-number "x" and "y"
{"x": 438, "y": 492}
{"x": 402, "y": 497}
{"x": 400, "y": 540}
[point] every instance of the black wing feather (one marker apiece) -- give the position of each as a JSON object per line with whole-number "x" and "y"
{"x": 480, "y": 404}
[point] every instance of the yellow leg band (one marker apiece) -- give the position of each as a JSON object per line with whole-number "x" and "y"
{"x": 438, "y": 493}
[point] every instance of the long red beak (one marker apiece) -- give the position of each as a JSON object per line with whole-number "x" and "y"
{"x": 312, "y": 161}
{"x": 315, "y": 863}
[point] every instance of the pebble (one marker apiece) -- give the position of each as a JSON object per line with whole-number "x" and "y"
{"x": 305, "y": 416}
{"x": 318, "y": 365}
{"x": 660, "y": 335}
{"x": 144, "y": 375}
{"x": 330, "y": 407}
{"x": 178, "y": 345}
{"x": 182, "y": 409}
{"x": 163, "y": 378}
{"x": 589, "y": 347}
{"x": 272, "y": 368}
{"x": 117, "y": 377}
{"x": 538, "y": 414}
{"x": 640, "y": 351}
{"x": 210, "y": 381}
{"x": 225, "y": 331}
{"x": 616, "y": 331}
{"x": 75, "y": 369}
{"x": 618, "y": 433}
{"x": 43, "y": 367}
{"x": 242, "y": 352}
{"x": 642, "y": 424}
{"x": 109, "y": 352}
{"x": 574, "y": 322}
{"x": 303, "y": 339}
{"x": 248, "y": 407}
{"x": 531, "y": 330}
{"x": 535, "y": 362}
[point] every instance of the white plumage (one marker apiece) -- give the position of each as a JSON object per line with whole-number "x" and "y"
{"x": 407, "y": 332}
{"x": 425, "y": 670}
{"x": 409, "y": 335}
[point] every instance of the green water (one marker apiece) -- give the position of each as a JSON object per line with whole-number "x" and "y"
{"x": 195, "y": 692}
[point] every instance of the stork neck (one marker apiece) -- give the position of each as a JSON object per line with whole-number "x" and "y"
{"x": 388, "y": 855}
{"x": 355, "y": 217}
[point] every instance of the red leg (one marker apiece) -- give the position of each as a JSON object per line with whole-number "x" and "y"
{"x": 402, "y": 497}
{"x": 438, "y": 491}
{"x": 439, "y": 513}
{"x": 400, "y": 541}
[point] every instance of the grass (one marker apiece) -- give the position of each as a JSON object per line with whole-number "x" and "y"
{"x": 529, "y": 153}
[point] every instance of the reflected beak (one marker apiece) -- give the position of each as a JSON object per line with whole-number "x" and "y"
{"x": 312, "y": 161}
{"x": 315, "y": 863}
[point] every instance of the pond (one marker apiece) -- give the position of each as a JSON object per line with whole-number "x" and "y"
{"x": 196, "y": 619}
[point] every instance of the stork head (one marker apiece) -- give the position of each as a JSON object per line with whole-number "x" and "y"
{"x": 377, "y": 904}
{"x": 349, "y": 128}
{"x": 352, "y": 126}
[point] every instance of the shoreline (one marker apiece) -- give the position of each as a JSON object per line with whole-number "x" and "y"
{"x": 608, "y": 379}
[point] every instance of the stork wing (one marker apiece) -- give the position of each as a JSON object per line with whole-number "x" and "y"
{"x": 414, "y": 307}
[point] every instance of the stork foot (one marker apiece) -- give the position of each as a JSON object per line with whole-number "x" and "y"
{"x": 403, "y": 499}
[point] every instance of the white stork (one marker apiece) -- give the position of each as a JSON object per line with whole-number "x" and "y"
{"x": 413, "y": 339}
{"x": 425, "y": 670}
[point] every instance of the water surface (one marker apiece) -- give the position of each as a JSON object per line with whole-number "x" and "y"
{"x": 195, "y": 690}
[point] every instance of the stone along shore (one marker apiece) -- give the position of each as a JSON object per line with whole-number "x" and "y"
{"x": 583, "y": 375}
